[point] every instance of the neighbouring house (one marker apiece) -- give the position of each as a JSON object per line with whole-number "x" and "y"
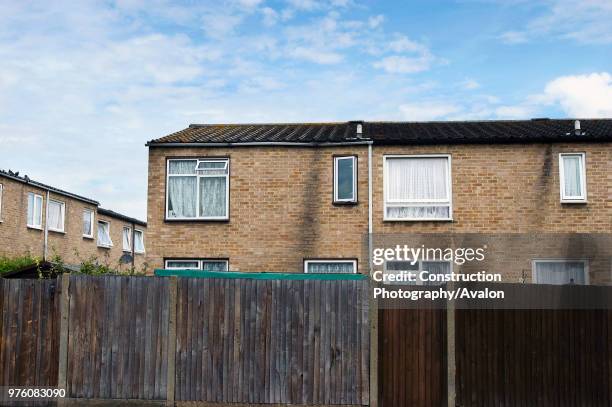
{"x": 308, "y": 197}
{"x": 44, "y": 221}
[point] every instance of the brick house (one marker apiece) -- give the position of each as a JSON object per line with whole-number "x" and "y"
{"x": 41, "y": 220}
{"x": 303, "y": 197}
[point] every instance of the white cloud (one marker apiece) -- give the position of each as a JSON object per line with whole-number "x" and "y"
{"x": 469, "y": 84}
{"x": 270, "y": 16}
{"x": 315, "y": 55}
{"x": 424, "y": 111}
{"x": 584, "y": 21}
{"x": 581, "y": 95}
{"x": 376, "y": 21}
{"x": 403, "y": 65}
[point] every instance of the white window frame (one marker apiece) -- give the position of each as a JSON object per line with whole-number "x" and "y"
{"x": 62, "y": 213}
{"x": 136, "y": 231}
{"x": 340, "y": 261}
{"x": 337, "y": 159}
{"x": 585, "y": 262}
{"x": 199, "y": 261}
{"x": 130, "y": 243}
{"x": 415, "y": 202}
{"x": 40, "y": 208}
{"x": 198, "y": 176}
{"x": 109, "y": 234}
{"x": 418, "y": 280}
{"x": 92, "y": 223}
{"x": 573, "y": 199}
{"x": 1, "y": 193}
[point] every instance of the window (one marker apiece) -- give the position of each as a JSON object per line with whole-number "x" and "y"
{"x": 417, "y": 187}
{"x": 127, "y": 239}
{"x": 139, "y": 241}
{"x": 35, "y": 203}
{"x": 88, "y": 221}
{"x": 572, "y": 174}
{"x": 421, "y": 270}
{"x": 345, "y": 179}
{"x": 195, "y": 264}
{"x": 330, "y": 266}
{"x": 560, "y": 272}
{"x": 104, "y": 239}
{"x": 1, "y": 190}
{"x": 56, "y": 213}
{"x": 198, "y": 189}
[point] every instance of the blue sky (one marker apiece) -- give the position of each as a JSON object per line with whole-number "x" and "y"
{"x": 83, "y": 85}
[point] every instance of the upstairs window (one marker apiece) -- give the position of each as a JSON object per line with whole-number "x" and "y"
{"x": 197, "y": 264}
{"x": 417, "y": 187}
{"x": 88, "y": 222}
{"x": 1, "y": 191}
{"x": 127, "y": 239}
{"x": 35, "y": 203}
{"x": 198, "y": 189}
{"x": 56, "y": 213}
{"x": 560, "y": 272}
{"x": 330, "y": 266}
{"x": 104, "y": 239}
{"x": 139, "y": 241}
{"x": 572, "y": 174}
{"x": 345, "y": 179}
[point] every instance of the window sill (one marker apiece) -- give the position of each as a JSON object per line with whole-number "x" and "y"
{"x": 139, "y": 252}
{"x": 345, "y": 203}
{"x": 194, "y": 220}
{"x": 88, "y": 237}
{"x": 574, "y": 201}
{"x": 35, "y": 227}
{"x": 419, "y": 220}
{"x": 57, "y": 231}
{"x": 105, "y": 247}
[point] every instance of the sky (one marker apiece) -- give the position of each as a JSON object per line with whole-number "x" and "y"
{"x": 84, "y": 85}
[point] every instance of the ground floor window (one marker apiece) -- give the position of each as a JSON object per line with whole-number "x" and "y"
{"x": 197, "y": 264}
{"x": 422, "y": 270}
{"x": 330, "y": 266}
{"x": 560, "y": 272}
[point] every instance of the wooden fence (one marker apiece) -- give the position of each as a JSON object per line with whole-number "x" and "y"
{"x": 191, "y": 339}
{"x": 503, "y": 358}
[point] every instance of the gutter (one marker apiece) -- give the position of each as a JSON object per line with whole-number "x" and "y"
{"x": 260, "y": 143}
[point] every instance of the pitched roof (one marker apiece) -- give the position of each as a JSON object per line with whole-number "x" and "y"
{"x": 26, "y": 180}
{"x": 450, "y": 132}
{"x": 118, "y": 215}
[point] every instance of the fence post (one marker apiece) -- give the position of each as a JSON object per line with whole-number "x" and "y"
{"x": 64, "y": 309}
{"x": 374, "y": 369}
{"x": 451, "y": 369}
{"x": 173, "y": 288}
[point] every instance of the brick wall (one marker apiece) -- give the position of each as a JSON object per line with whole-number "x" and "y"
{"x": 17, "y": 239}
{"x": 281, "y": 208}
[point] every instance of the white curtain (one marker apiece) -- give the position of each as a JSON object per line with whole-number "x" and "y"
{"x": 417, "y": 178}
{"x": 182, "y": 166}
{"x": 182, "y": 195}
{"x": 87, "y": 223}
{"x": 183, "y": 265}
{"x": 104, "y": 234}
{"x": 212, "y": 196}
{"x": 214, "y": 266}
{"x": 30, "y": 209}
{"x": 330, "y": 268}
{"x": 56, "y": 219}
{"x": 139, "y": 242}
{"x": 38, "y": 203}
{"x": 410, "y": 179}
{"x": 127, "y": 239}
{"x": 559, "y": 273}
{"x": 572, "y": 175}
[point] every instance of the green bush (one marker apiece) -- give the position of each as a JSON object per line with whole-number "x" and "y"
{"x": 15, "y": 263}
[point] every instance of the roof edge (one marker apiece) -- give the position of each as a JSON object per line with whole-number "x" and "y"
{"x": 117, "y": 215}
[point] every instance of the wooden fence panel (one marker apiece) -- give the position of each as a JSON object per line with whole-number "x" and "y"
{"x": 117, "y": 339}
{"x": 272, "y": 341}
{"x": 534, "y": 357}
{"x": 29, "y": 332}
{"x": 412, "y": 357}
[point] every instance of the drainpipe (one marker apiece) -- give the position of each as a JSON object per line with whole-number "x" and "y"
{"x": 133, "y": 244}
{"x": 46, "y": 244}
{"x": 370, "y": 226}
